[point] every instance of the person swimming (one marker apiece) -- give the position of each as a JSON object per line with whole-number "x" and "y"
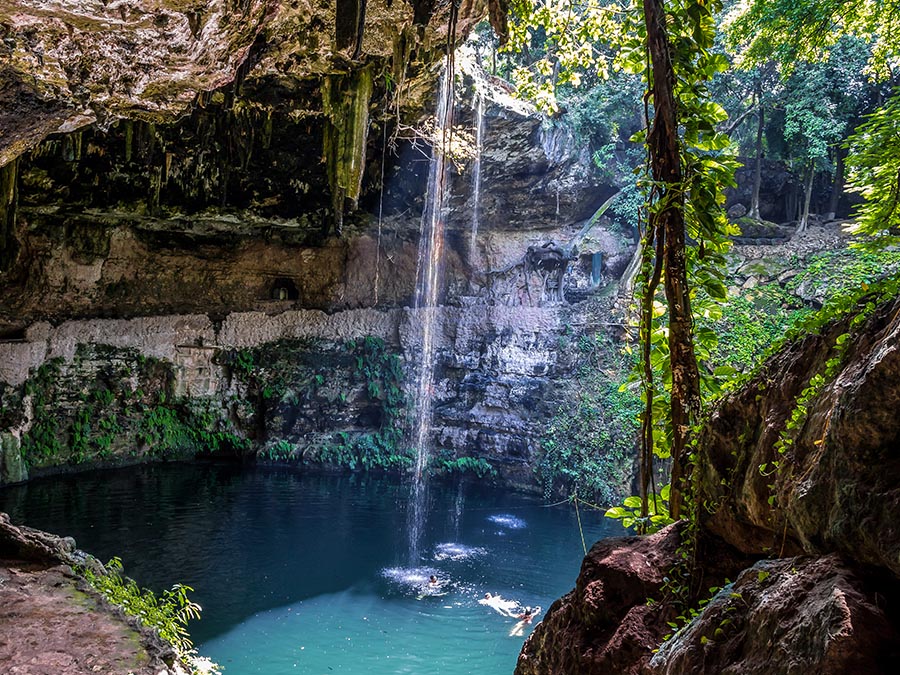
{"x": 500, "y": 605}
{"x": 525, "y": 618}
{"x": 433, "y": 588}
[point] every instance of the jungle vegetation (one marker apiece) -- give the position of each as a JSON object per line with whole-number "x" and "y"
{"x": 810, "y": 83}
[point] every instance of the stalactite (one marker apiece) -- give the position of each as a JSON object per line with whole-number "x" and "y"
{"x": 360, "y": 29}
{"x": 9, "y": 197}
{"x": 422, "y": 11}
{"x": 349, "y": 16}
{"x": 345, "y": 100}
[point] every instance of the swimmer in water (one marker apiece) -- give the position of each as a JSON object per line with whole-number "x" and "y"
{"x": 433, "y": 589}
{"x": 501, "y": 606}
{"x": 524, "y": 619}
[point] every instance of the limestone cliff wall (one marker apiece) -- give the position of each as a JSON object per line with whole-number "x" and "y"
{"x": 299, "y": 380}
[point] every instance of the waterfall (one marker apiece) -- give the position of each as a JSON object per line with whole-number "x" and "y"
{"x": 428, "y": 277}
{"x": 476, "y": 169}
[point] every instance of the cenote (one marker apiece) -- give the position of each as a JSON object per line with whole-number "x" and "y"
{"x": 310, "y": 573}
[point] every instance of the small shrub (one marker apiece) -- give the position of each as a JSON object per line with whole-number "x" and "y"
{"x": 168, "y": 613}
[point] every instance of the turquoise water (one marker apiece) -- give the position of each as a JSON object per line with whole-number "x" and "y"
{"x": 311, "y": 574}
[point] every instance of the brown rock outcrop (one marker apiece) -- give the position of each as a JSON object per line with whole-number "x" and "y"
{"x": 604, "y": 625}
{"x": 838, "y": 485}
{"x": 25, "y": 543}
{"x": 51, "y": 621}
{"x": 834, "y": 496}
{"x": 794, "y": 615}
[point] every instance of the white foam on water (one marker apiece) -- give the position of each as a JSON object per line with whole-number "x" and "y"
{"x": 454, "y": 551}
{"x": 413, "y": 577}
{"x": 508, "y": 521}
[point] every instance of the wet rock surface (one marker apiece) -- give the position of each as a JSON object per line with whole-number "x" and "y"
{"x": 52, "y": 623}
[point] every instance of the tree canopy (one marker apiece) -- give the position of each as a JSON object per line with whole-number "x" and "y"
{"x": 814, "y": 75}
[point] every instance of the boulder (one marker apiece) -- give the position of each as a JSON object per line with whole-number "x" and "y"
{"x": 25, "y": 543}
{"x": 837, "y": 488}
{"x": 604, "y": 625}
{"x": 737, "y": 211}
{"x": 793, "y": 615}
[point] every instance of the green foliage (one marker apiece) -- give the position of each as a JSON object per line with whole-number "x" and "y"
{"x": 284, "y": 371}
{"x": 749, "y": 324}
{"x": 794, "y": 31}
{"x": 832, "y": 274}
{"x": 812, "y": 123}
{"x": 874, "y": 164}
{"x": 563, "y": 37}
{"x": 279, "y": 451}
{"x": 630, "y": 512}
{"x": 242, "y": 361}
{"x": 587, "y": 448}
{"x": 445, "y": 463}
{"x": 42, "y": 442}
{"x": 755, "y": 323}
{"x": 168, "y": 613}
{"x": 365, "y": 451}
{"x": 185, "y": 429}
{"x": 106, "y": 416}
{"x": 382, "y": 372}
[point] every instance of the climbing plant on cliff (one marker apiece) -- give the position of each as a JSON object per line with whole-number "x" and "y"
{"x": 672, "y": 46}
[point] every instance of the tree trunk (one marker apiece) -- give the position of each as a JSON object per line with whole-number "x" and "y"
{"x": 837, "y": 189}
{"x": 757, "y": 173}
{"x": 668, "y": 223}
{"x": 807, "y": 197}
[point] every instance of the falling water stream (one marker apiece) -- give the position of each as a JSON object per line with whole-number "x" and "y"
{"x": 428, "y": 277}
{"x": 476, "y": 169}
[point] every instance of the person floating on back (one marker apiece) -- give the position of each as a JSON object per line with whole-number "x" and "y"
{"x": 508, "y": 608}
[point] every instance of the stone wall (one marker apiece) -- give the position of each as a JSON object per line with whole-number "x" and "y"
{"x": 289, "y": 385}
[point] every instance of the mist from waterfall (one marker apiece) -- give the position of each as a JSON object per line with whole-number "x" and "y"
{"x": 428, "y": 281}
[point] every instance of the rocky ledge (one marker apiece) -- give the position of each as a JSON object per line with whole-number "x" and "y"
{"x": 51, "y": 621}
{"x": 800, "y": 475}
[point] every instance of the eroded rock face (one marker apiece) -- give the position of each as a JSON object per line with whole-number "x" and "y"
{"x": 79, "y": 633}
{"x": 604, "y": 625}
{"x": 794, "y": 615}
{"x": 838, "y": 484}
{"x": 70, "y": 64}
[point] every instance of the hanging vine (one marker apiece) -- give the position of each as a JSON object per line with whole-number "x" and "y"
{"x": 684, "y": 232}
